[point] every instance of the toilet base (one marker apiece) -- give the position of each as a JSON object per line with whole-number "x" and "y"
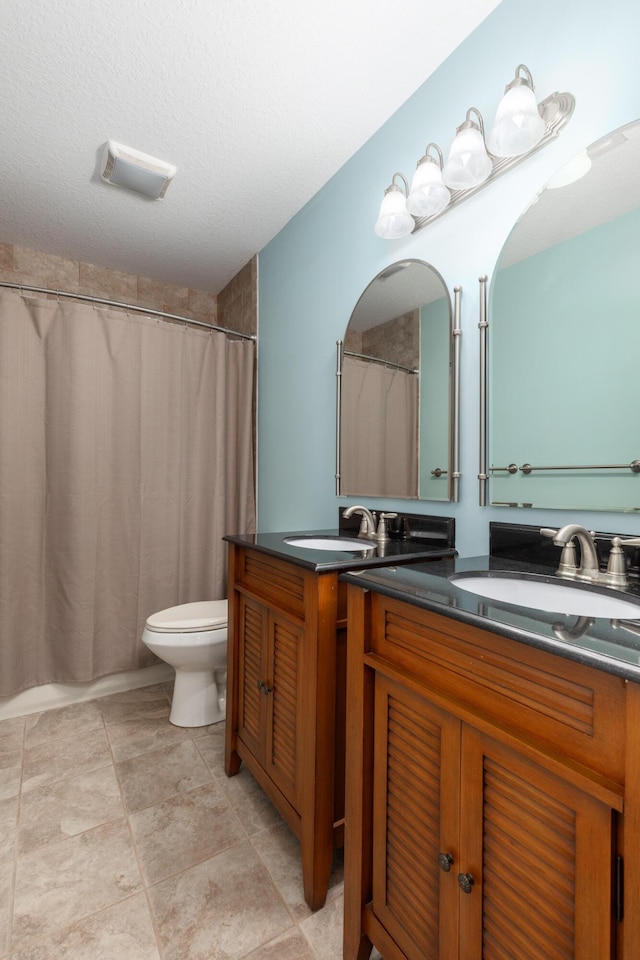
{"x": 198, "y": 699}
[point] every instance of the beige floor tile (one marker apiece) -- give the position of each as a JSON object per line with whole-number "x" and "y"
{"x": 71, "y": 756}
{"x": 132, "y": 738}
{"x": 223, "y": 908}
{"x": 78, "y": 891}
{"x": 182, "y": 831}
{"x": 251, "y": 804}
{"x": 324, "y": 928}
{"x": 279, "y": 850}
{"x": 291, "y": 945}
{"x": 8, "y": 825}
{"x": 64, "y": 882}
{"x": 211, "y": 748}
{"x": 145, "y": 702}
{"x": 6, "y": 885}
{"x": 161, "y": 774}
{"x": 10, "y": 772}
{"x": 79, "y": 718}
{"x": 68, "y": 807}
{"x": 121, "y": 932}
{"x": 12, "y": 733}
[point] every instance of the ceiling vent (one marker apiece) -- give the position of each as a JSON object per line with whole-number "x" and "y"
{"x": 126, "y": 167}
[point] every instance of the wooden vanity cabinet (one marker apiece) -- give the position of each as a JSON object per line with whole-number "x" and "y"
{"x": 286, "y": 698}
{"x": 485, "y": 790}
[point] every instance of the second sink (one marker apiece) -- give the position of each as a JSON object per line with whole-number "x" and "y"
{"x": 553, "y": 596}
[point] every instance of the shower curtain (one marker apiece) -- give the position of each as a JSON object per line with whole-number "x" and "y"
{"x": 379, "y": 423}
{"x": 126, "y": 453}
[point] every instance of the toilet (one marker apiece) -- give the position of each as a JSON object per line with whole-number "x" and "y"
{"x": 192, "y": 637}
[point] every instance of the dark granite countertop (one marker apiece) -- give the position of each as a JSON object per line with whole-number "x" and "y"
{"x": 371, "y": 555}
{"x": 610, "y": 645}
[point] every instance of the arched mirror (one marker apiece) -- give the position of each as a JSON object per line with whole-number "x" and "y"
{"x": 397, "y": 388}
{"x": 564, "y": 340}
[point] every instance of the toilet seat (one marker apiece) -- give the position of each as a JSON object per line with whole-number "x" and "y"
{"x": 190, "y": 617}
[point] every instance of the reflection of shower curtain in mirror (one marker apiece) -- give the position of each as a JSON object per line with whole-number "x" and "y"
{"x": 379, "y": 430}
{"x": 126, "y": 453}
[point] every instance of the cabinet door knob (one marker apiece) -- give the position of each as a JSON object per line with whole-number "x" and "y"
{"x": 465, "y": 882}
{"x": 266, "y": 689}
{"x": 444, "y": 861}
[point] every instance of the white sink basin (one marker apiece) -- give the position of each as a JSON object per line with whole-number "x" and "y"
{"x": 553, "y": 597}
{"x": 349, "y": 544}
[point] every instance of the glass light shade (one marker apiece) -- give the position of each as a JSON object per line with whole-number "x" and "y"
{"x": 393, "y": 220}
{"x": 468, "y": 163}
{"x": 428, "y": 195}
{"x": 518, "y": 126}
{"x": 576, "y": 168}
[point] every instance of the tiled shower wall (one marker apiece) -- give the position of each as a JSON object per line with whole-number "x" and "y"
{"x": 235, "y": 307}
{"x": 397, "y": 340}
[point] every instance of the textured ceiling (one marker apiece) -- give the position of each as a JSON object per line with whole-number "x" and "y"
{"x": 257, "y": 103}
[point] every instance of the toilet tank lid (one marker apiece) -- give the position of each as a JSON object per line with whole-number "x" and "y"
{"x": 202, "y": 615}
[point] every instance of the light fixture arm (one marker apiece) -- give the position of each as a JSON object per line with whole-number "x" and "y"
{"x": 528, "y": 79}
{"x": 468, "y": 122}
{"x": 439, "y": 161}
{"x": 394, "y": 186}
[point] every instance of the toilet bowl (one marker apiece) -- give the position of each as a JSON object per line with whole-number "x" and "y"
{"x": 192, "y": 637}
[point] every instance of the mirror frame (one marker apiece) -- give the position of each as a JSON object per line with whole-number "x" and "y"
{"x": 455, "y": 334}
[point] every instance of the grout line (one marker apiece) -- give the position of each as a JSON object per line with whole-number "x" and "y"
{"x": 134, "y": 846}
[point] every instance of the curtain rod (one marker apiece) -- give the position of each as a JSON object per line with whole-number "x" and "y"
{"x": 127, "y": 306}
{"x": 386, "y": 363}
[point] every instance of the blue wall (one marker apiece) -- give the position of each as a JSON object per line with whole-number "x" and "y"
{"x": 312, "y": 273}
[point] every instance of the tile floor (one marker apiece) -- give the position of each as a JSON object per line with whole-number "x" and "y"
{"x": 121, "y": 838}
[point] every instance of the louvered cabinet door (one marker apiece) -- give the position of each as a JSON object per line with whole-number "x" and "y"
{"x": 283, "y": 707}
{"x": 415, "y": 817}
{"x": 253, "y": 654}
{"x": 539, "y": 854}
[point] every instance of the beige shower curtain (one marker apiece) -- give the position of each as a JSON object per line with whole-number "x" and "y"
{"x": 126, "y": 453}
{"x": 379, "y": 430}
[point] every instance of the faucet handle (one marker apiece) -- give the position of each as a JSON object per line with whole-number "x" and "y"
{"x": 616, "y": 575}
{"x": 548, "y": 532}
{"x": 382, "y": 534}
{"x": 628, "y": 541}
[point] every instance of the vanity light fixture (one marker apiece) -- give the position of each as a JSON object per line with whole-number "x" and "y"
{"x": 468, "y": 164}
{"x": 522, "y": 126}
{"x": 518, "y": 126}
{"x": 428, "y": 195}
{"x": 394, "y": 221}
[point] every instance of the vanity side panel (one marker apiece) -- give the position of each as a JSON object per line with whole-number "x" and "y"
{"x": 630, "y": 925}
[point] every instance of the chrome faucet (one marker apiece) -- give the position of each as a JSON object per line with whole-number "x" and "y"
{"x": 368, "y": 523}
{"x": 589, "y": 569}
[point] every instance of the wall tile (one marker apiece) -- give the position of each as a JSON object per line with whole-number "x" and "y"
{"x": 46, "y": 269}
{"x": 98, "y": 281}
{"x": 162, "y": 296}
{"x": 36, "y": 268}
{"x": 202, "y": 306}
{"x": 6, "y": 256}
